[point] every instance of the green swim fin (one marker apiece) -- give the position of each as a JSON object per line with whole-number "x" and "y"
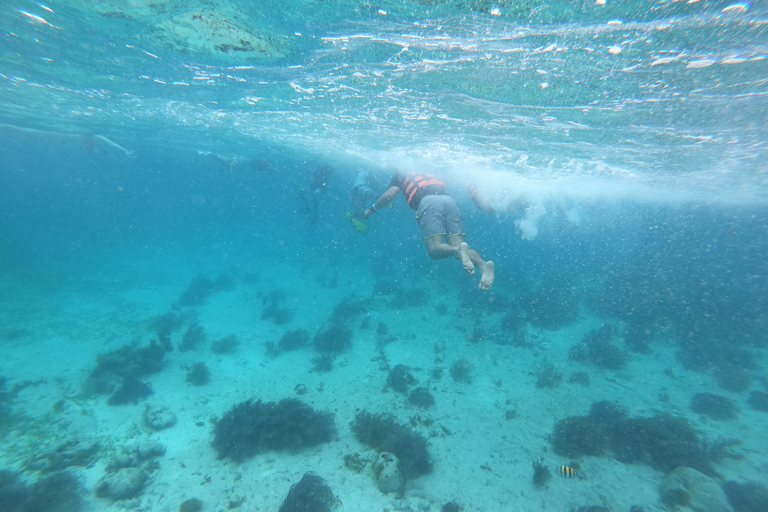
{"x": 359, "y": 224}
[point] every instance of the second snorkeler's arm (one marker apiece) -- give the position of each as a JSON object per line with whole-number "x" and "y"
{"x": 383, "y": 200}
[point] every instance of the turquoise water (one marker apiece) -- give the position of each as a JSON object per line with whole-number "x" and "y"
{"x": 157, "y": 159}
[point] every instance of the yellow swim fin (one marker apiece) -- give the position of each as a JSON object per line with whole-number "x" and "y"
{"x": 359, "y": 224}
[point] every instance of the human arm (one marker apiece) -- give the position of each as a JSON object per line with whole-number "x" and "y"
{"x": 383, "y": 200}
{"x": 482, "y": 200}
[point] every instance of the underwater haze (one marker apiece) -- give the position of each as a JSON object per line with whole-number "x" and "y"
{"x": 196, "y": 314}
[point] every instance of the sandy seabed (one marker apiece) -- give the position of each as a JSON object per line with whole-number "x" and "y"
{"x": 482, "y": 459}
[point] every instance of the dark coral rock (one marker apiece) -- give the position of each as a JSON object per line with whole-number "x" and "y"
{"x": 662, "y": 442}
{"x": 225, "y": 345}
{"x": 729, "y": 363}
{"x": 579, "y": 352}
{"x": 158, "y": 418}
{"x": 293, "y": 340}
{"x": 58, "y": 492}
{"x": 415, "y": 297}
{"x": 607, "y": 355}
{"x": 548, "y": 377}
{"x": 130, "y": 361}
{"x": 596, "y": 348}
{"x": 355, "y": 462}
{"x": 581, "y": 378}
{"x": 451, "y": 507}
{"x": 6, "y": 399}
{"x": 421, "y": 397}
{"x": 273, "y": 309}
{"x": 98, "y": 385}
{"x": 382, "y": 432}
{"x": 607, "y": 413}
{"x": 13, "y": 491}
{"x": 715, "y": 406}
{"x": 411, "y": 449}
{"x": 721, "y": 448}
{"x": 193, "y": 337}
{"x": 15, "y": 334}
{"x": 408, "y": 297}
{"x": 579, "y": 435}
{"x": 253, "y": 427}
{"x": 461, "y": 371}
{"x": 191, "y": 505}
{"x": 199, "y": 374}
{"x": 541, "y": 473}
{"x": 310, "y": 494}
{"x": 732, "y": 377}
{"x": 477, "y": 335}
{"x": 513, "y": 321}
{"x": 758, "y": 400}
{"x": 374, "y": 429}
{"x": 336, "y": 339}
{"x": 517, "y": 339}
{"x": 165, "y": 325}
{"x": 132, "y": 391}
{"x": 202, "y": 287}
{"x": 122, "y": 484}
{"x": 348, "y": 310}
{"x": 746, "y": 497}
{"x": 386, "y": 287}
{"x": 702, "y": 354}
{"x": 638, "y": 337}
{"x": 66, "y": 454}
{"x": 400, "y": 378}
{"x": 198, "y": 290}
{"x": 323, "y": 363}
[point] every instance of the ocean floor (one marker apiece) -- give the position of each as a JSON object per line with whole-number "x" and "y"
{"x": 484, "y": 432}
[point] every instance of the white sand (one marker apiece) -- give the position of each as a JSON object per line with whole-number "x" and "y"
{"x": 485, "y": 463}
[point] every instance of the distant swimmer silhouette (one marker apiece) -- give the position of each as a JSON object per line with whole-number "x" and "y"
{"x": 261, "y": 165}
{"x": 361, "y": 195}
{"x": 439, "y": 217}
{"x": 316, "y": 186}
{"x": 100, "y": 143}
{"x": 227, "y": 162}
{"x": 232, "y": 163}
{"x": 88, "y": 141}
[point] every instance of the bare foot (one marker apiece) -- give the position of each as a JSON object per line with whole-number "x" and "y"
{"x": 486, "y": 279}
{"x": 465, "y": 260}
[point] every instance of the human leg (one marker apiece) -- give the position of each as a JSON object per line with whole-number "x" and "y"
{"x": 431, "y": 219}
{"x": 470, "y": 258}
{"x": 440, "y": 216}
{"x": 438, "y": 249}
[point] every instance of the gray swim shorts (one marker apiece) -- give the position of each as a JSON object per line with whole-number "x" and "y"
{"x": 439, "y": 215}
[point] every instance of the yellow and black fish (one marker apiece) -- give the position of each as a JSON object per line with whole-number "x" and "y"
{"x": 567, "y": 472}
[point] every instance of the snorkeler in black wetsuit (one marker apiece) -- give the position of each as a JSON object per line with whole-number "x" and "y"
{"x": 316, "y": 186}
{"x": 362, "y": 194}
